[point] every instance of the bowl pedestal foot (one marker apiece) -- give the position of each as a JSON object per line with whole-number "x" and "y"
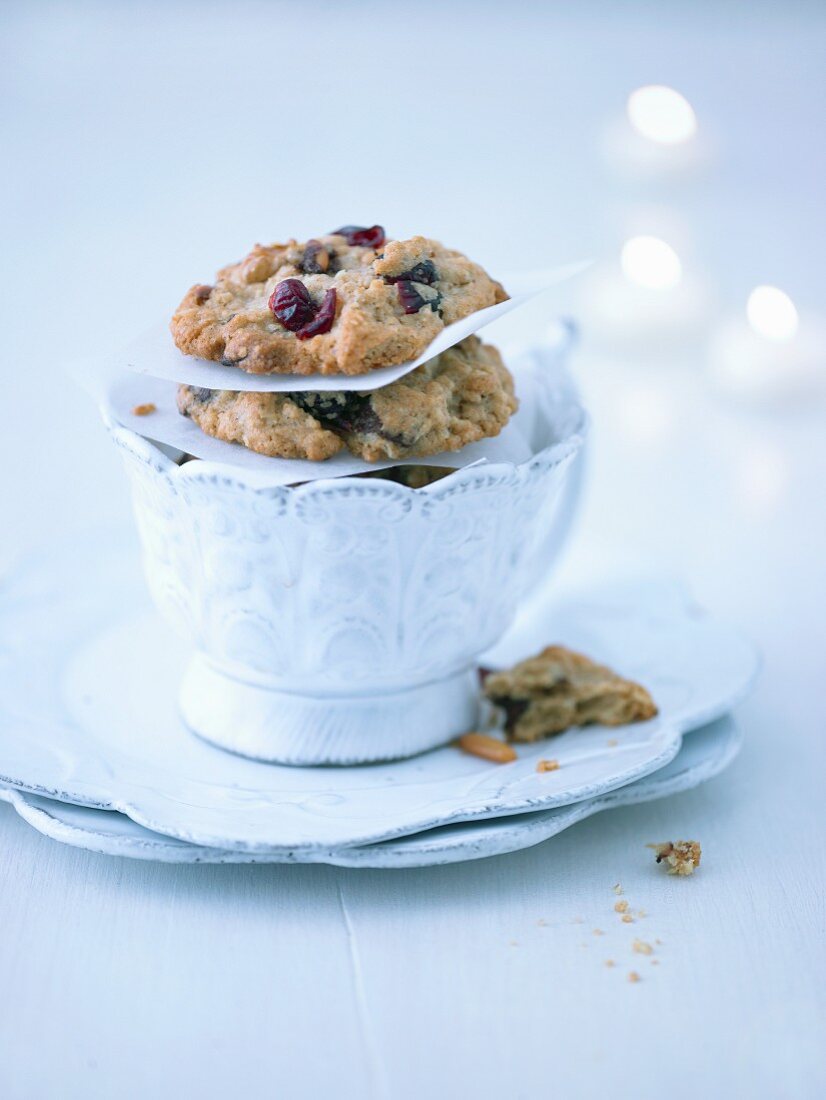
{"x": 286, "y": 727}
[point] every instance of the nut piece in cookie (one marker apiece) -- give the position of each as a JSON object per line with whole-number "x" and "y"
{"x": 463, "y": 395}
{"x": 345, "y": 302}
{"x": 559, "y": 688}
{"x": 681, "y": 857}
{"x": 489, "y": 748}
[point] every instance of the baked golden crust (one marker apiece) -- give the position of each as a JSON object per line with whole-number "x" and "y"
{"x": 463, "y": 395}
{"x": 559, "y": 688}
{"x": 231, "y": 321}
{"x": 265, "y": 422}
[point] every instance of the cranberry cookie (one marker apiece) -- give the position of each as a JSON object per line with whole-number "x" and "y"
{"x": 345, "y": 303}
{"x": 463, "y": 395}
{"x": 560, "y": 688}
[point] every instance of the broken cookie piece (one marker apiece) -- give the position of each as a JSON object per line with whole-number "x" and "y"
{"x": 681, "y": 857}
{"x": 559, "y": 688}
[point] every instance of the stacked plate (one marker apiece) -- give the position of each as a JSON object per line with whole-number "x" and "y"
{"x": 93, "y": 752}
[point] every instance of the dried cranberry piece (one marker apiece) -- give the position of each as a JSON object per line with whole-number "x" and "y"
{"x": 371, "y": 237}
{"x": 292, "y": 305}
{"x": 323, "y": 320}
{"x": 344, "y": 412}
{"x": 422, "y": 272}
{"x": 316, "y": 258}
{"x": 349, "y": 412}
{"x": 365, "y": 422}
{"x": 513, "y": 708}
{"x": 412, "y": 300}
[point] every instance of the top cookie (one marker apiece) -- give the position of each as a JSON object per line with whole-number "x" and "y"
{"x": 345, "y": 303}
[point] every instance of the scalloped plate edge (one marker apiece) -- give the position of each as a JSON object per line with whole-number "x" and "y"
{"x": 446, "y": 844}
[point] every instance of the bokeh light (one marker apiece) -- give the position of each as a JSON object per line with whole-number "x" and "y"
{"x": 651, "y": 262}
{"x": 772, "y": 313}
{"x": 661, "y": 114}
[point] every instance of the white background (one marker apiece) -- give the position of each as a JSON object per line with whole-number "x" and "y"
{"x": 144, "y": 145}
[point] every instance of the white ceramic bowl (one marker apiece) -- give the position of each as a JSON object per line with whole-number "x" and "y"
{"x": 339, "y": 621}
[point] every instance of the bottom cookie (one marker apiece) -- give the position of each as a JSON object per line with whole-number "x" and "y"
{"x": 463, "y": 395}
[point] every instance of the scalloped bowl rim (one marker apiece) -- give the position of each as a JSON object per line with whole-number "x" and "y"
{"x": 150, "y": 451}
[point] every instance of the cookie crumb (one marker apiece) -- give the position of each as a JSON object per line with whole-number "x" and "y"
{"x": 547, "y": 765}
{"x": 642, "y": 948}
{"x": 542, "y": 923}
{"x": 612, "y": 742}
{"x": 145, "y": 409}
{"x": 633, "y": 976}
{"x": 655, "y": 962}
{"x": 617, "y": 888}
{"x": 641, "y": 913}
{"x": 621, "y": 907}
{"x": 598, "y": 932}
{"x": 513, "y": 943}
{"x": 610, "y": 962}
{"x": 681, "y": 857}
{"x": 627, "y": 918}
{"x": 489, "y": 748}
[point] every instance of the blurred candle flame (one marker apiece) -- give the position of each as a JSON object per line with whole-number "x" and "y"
{"x": 661, "y": 114}
{"x": 772, "y": 314}
{"x": 651, "y": 263}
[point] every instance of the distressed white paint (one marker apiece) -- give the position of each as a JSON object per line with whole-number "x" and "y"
{"x": 703, "y": 754}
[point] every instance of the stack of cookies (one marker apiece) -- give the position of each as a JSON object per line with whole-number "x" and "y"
{"x": 346, "y": 303}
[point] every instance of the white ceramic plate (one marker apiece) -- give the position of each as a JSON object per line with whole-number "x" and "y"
{"x": 88, "y": 682}
{"x": 703, "y": 755}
